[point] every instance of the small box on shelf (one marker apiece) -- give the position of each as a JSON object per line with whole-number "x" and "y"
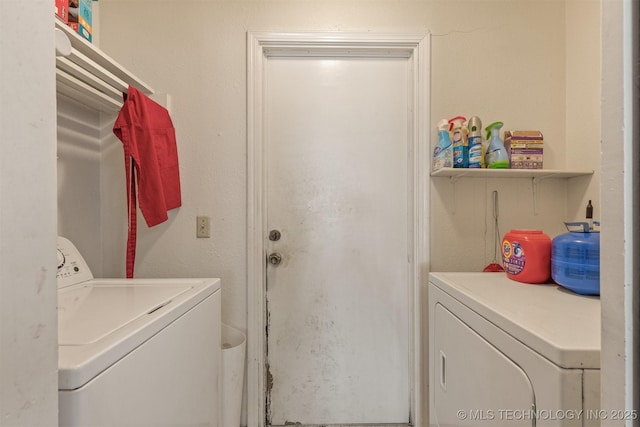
{"x": 525, "y": 148}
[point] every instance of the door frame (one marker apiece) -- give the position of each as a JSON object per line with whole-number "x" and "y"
{"x": 415, "y": 48}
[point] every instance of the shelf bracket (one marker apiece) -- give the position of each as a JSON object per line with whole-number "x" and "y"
{"x": 453, "y": 180}
{"x": 461, "y": 174}
{"x": 534, "y": 190}
{"x": 541, "y": 177}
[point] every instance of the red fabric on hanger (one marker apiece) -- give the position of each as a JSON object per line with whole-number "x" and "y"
{"x": 151, "y": 159}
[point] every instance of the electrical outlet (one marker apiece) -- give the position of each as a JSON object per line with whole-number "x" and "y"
{"x": 203, "y": 226}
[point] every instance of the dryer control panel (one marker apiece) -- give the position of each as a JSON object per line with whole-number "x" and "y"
{"x": 72, "y": 268}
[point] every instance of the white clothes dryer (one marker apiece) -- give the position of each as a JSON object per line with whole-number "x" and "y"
{"x": 136, "y": 352}
{"x": 504, "y": 353}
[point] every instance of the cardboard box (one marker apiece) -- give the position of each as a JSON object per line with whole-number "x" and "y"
{"x": 62, "y": 10}
{"x": 80, "y": 17}
{"x": 525, "y": 148}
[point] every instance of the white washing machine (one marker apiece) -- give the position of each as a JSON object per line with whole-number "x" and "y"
{"x": 136, "y": 352}
{"x": 504, "y": 353}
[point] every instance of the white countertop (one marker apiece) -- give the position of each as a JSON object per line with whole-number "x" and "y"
{"x": 561, "y": 325}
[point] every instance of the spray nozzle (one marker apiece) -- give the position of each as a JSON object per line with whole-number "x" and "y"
{"x": 456, "y": 122}
{"x": 494, "y": 129}
{"x": 443, "y": 125}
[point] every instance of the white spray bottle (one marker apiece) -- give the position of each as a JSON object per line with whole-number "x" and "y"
{"x": 443, "y": 153}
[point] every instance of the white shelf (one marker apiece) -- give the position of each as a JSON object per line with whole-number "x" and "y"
{"x": 536, "y": 175}
{"x": 91, "y": 77}
{"x": 508, "y": 173}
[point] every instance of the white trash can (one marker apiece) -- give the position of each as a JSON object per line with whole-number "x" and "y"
{"x": 234, "y": 345}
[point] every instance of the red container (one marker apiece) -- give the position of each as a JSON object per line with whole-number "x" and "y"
{"x": 526, "y": 256}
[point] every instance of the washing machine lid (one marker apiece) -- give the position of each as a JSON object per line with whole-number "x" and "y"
{"x": 102, "y": 320}
{"x": 91, "y": 312}
{"x": 560, "y": 325}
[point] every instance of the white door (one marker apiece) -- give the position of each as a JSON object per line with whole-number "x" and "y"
{"x": 338, "y": 301}
{"x": 337, "y": 228}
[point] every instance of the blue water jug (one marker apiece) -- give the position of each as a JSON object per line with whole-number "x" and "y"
{"x": 575, "y": 259}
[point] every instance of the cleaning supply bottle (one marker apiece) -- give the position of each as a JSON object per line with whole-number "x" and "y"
{"x": 496, "y": 156}
{"x": 460, "y": 147}
{"x": 589, "y": 215}
{"x": 443, "y": 153}
{"x": 475, "y": 142}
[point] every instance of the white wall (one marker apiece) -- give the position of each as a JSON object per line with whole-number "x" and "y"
{"x": 501, "y": 60}
{"x": 78, "y": 169}
{"x": 28, "y": 332}
{"x": 583, "y": 95}
{"x": 620, "y": 241}
{"x": 535, "y": 68}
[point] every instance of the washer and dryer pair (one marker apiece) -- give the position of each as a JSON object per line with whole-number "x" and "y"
{"x": 505, "y": 353}
{"x": 136, "y": 352}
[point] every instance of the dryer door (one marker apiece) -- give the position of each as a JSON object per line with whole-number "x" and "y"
{"x": 476, "y": 384}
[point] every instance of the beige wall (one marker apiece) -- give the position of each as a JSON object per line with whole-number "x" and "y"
{"x": 500, "y": 60}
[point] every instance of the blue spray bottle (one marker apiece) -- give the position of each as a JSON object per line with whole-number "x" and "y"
{"x": 496, "y": 156}
{"x": 443, "y": 153}
{"x": 460, "y": 145}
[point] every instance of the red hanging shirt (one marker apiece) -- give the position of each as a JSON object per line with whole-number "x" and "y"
{"x": 149, "y": 142}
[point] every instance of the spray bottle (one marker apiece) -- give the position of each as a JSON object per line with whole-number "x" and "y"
{"x": 475, "y": 142}
{"x": 460, "y": 146}
{"x": 443, "y": 153}
{"x": 496, "y": 156}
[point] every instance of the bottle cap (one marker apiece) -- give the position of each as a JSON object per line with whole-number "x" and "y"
{"x": 475, "y": 125}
